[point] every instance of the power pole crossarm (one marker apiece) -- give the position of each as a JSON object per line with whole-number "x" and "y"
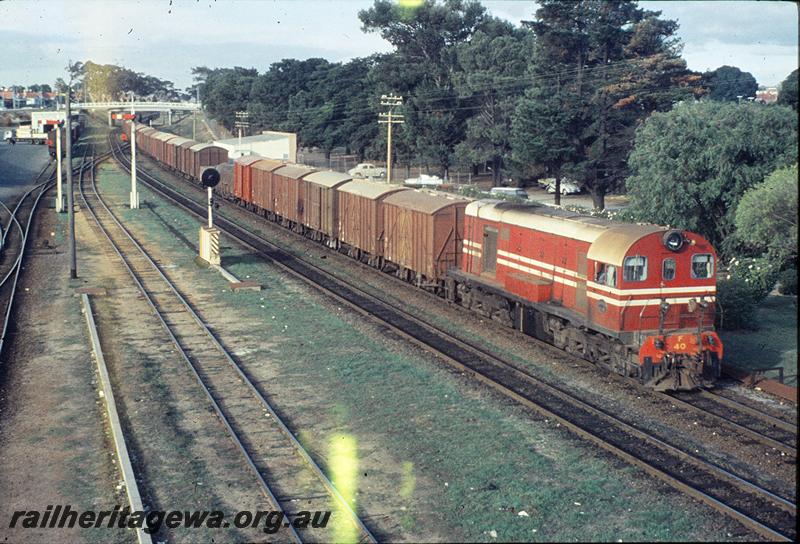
{"x": 390, "y": 118}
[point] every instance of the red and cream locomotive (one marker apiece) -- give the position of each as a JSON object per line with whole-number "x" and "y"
{"x": 637, "y": 299}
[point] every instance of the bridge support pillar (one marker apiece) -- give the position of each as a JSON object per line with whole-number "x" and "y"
{"x": 110, "y": 122}
{"x": 169, "y": 116}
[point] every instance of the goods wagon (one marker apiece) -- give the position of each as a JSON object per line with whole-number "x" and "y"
{"x": 361, "y": 217}
{"x": 243, "y": 179}
{"x": 423, "y": 234}
{"x": 261, "y": 174}
{"x": 202, "y": 155}
{"x": 225, "y": 186}
{"x": 288, "y": 190}
{"x": 638, "y": 299}
{"x": 322, "y": 204}
{"x": 143, "y": 135}
{"x": 184, "y": 158}
{"x": 172, "y": 152}
{"x": 159, "y": 141}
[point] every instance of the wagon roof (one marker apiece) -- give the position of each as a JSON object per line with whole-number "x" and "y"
{"x": 200, "y": 147}
{"x": 423, "y": 201}
{"x": 328, "y": 178}
{"x": 188, "y": 144}
{"x": 610, "y": 241}
{"x": 249, "y": 159}
{"x": 163, "y": 136}
{"x": 180, "y": 140}
{"x": 268, "y": 165}
{"x": 370, "y": 189}
{"x": 294, "y": 171}
{"x": 145, "y": 128}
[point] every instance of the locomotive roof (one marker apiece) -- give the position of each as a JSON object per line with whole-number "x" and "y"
{"x": 328, "y": 178}
{"x": 369, "y": 189}
{"x": 423, "y": 201}
{"x": 610, "y": 241}
{"x": 294, "y": 171}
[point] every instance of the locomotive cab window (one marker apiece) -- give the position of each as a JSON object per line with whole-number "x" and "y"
{"x": 668, "y": 270}
{"x": 702, "y": 266}
{"x": 634, "y": 268}
{"x": 606, "y": 274}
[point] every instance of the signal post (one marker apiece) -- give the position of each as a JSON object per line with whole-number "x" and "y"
{"x": 209, "y": 234}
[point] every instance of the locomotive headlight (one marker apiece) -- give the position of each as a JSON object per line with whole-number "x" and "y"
{"x": 659, "y": 343}
{"x": 673, "y": 240}
{"x": 664, "y": 307}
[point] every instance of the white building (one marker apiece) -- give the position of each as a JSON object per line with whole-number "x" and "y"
{"x": 269, "y": 144}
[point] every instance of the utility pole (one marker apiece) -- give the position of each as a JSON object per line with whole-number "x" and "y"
{"x": 241, "y": 122}
{"x": 134, "y": 193}
{"x": 73, "y": 266}
{"x": 390, "y": 118}
{"x": 59, "y": 190}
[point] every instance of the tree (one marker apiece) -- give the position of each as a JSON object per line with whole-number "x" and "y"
{"x": 600, "y": 67}
{"x": 788, "y": 93}
{"x": 730, "y": 84}
{"x": 488, "y": 84}
{"x": 766, "y": 217}
{"x": 691, "y": 166}
{"x": 424, "y": 36}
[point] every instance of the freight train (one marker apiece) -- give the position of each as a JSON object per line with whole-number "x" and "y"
{"x": 636, "y": 299}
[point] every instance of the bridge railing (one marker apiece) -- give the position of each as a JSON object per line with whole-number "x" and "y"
{"x": 143, "y": 106}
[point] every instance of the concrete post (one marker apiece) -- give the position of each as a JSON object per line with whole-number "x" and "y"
{"x": 59, "y": 190}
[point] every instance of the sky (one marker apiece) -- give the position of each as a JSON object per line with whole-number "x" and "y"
{"x": 166, "y": 38}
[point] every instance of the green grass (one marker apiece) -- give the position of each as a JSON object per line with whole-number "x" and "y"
{"x": 467, "y": 463}
{"x": 773, "y": 344}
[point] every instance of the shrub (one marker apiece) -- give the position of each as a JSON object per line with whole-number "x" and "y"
{"x": 760, "y": 274}
{"x": 788, "y": 282}
{"x": 738, "y": 301}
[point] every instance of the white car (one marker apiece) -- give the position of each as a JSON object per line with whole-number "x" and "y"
{"x": 9, "y": 134}
{"x": 424, "y": 180}
{"x": 567, "y": 187}
{"x": 509, "y": 192}
{"x": 367, "y": 170}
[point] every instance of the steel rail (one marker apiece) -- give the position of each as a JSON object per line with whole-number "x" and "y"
{"x": 323, "y": 281}
{"x": 300, "y": 450}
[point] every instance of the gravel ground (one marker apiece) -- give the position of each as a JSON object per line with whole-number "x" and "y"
{"x": 180, "y": 450}
{"x": 19, "y": 165}
{"x": 55, "y": 447}
{"x": 399, "y": 400}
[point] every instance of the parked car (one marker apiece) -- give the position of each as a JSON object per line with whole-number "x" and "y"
{"x": 508, "y": 192}
{"x": 367, "y": 170}
{"x": 567, "y": 187}
{"x": 10, "y": 133}
{"x": 424, "y": 180}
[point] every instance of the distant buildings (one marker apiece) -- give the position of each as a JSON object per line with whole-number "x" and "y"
{"x": 270, "y": 144}
{"x": 11, "y": 99}
{"x": 767, "y": 95}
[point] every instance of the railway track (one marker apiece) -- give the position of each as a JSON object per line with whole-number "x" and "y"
{"x": 14, "y": 242}
{"x": 760, "y": 510}
{"x": 269, "y": 448}
{"x": 763, "y": 427}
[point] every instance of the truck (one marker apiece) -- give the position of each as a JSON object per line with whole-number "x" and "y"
{"x": 367, "y": 170}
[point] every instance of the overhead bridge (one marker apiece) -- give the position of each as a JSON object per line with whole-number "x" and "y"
{"x": 168, "y": 107}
